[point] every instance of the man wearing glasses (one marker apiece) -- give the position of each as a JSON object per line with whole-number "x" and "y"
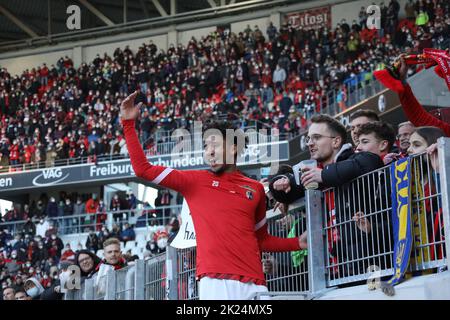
{"x": 338, "y": 165}
{"x": 337, "y": 162}
{"x": 405, "y": 130}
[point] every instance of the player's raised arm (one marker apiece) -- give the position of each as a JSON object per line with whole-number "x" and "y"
{"x": 167, "y": 177}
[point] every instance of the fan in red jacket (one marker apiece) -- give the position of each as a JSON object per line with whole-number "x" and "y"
{"x": 14, "y": 154}
{"x": 413, "y": 109}
{"x": 227, "y": 208}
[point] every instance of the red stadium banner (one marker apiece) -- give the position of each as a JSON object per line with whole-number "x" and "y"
{"x": 311, "y": 19}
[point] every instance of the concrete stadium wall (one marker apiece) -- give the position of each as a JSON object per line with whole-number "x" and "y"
{"x": 350, "y": 10}
{"x": 19, "y": 64}
{"x": 185, "y": 36}
{"x": 262, "y": 24}
{"x": 90, "y": 52}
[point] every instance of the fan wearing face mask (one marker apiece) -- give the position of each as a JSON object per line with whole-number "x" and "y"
{"x": 54, "y": 292}
{"x": 33, "y": 288}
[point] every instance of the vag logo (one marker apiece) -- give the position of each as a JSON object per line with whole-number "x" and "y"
{"x": 49, "y": 177}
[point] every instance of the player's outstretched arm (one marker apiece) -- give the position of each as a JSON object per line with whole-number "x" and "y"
{"x": 167, "y": 177}
{"x": 267, "y": 242}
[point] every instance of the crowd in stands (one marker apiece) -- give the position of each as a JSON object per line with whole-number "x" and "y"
{"x": 62, "y": 112}
{"x": 29, "y": 259}
{"x": 87, "y": 210}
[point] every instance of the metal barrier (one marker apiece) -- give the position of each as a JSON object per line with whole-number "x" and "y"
{"x": 187, "y": 288}
{"x": 350, "y": 235}
{"x": 287, "y": 271}
{"x": 74, "y": 224}
{"x": 155, "y": 285}
{"x": 359, "y": 231}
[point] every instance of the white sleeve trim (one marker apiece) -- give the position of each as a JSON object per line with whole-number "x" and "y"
{"x": 162, "y": 175}
{"x": 260, "y": 224}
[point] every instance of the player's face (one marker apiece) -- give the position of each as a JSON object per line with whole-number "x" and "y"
{"x": 214, "y": 152}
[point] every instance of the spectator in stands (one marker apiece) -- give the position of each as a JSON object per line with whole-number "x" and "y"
{"x": 112, "y": 255}
{"x": 376, "y": 137}
{"x": 13, "y": 265}
{"x": 42, "y": 227}
{"x": 127, "y": 233}
{"x": 152, "y": 246}
{"x": 115, "y": 232}
{"x": 115, "y": 205}
{"x": 337, "y": 166}
{"x": 29, "y": 227}
{"x": 8, "y": 293}
{"x": 359, "y": 118}
{"x": 271, "y": 31}
{"x": 101, "y": 215}
{"x": 40, "y": 253}
{"x": 20, "y": 248}
{"x": 54, "y": 291}
{"x": 103, "y": 235}
{"x": 405, "y": 129}
{"x": 21, "y": 295}
{"x": 92, "y": 241}
{"x": 88, "y": 262}
{"x": 67, "y": 212}
{"x": 92, "y": 204}
{"x": 337, "y": 163}
{"x": 112, "y": 260}
{"x": 68, "y": 254}
{"x": 423, "y": 138}
{"x": 33, "y": 288}
{"x": 132, "y": 201}
{"x": 279, "y": 76}
{"x": 52, "y": 208}
{"x": 56, "y": 246}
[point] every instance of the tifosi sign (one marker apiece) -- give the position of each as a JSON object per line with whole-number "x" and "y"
{"x": 49, "y": 177}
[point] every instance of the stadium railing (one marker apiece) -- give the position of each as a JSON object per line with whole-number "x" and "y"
{"x": 74, "y": 224}
{"x": 340, "y": 251}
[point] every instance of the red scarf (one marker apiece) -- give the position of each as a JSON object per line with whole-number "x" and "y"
{"x": 440, "y": 59}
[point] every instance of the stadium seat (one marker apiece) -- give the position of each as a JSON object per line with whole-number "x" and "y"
{"x": 141, "y": 237}
{"x": 130, "y": 245}
{"x": 100, "y": 253}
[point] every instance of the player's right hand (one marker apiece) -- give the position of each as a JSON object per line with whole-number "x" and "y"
{"x": 128, "y": 111}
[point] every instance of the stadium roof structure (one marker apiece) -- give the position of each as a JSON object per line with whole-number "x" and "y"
{"x": 37, "y": 21}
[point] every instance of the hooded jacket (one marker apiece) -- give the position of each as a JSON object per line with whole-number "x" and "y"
{"x": 38, "y": 285}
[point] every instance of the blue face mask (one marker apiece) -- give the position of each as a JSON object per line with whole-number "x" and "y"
{"x": 33, "y": 292}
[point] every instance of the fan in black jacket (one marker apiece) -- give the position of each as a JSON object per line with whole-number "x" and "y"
{"x": 338, "y": 166}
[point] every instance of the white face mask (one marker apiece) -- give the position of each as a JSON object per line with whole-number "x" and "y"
{"x": 33, "y": 292}
{"x": 162, "y": 243}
